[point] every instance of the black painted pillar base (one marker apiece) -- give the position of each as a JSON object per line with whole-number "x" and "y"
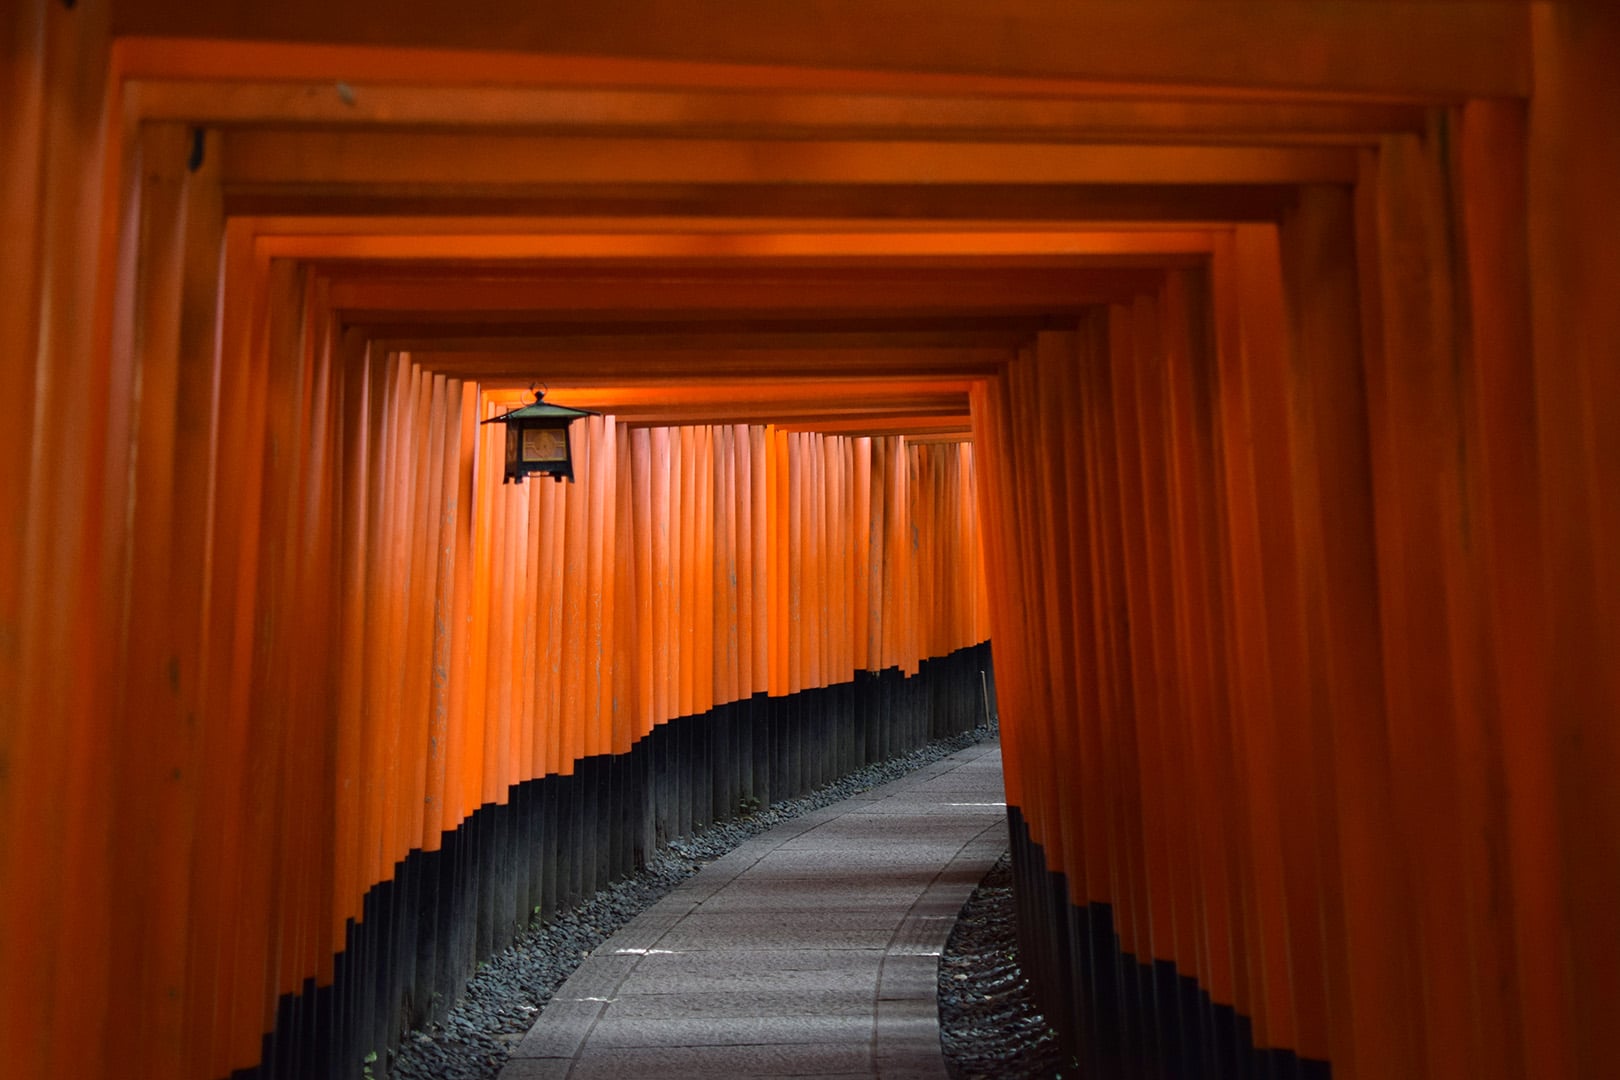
{"x": 1118, "y": 1016}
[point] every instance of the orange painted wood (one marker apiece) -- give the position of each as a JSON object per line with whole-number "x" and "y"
{"x": 1576, "y": 388}
{"x": 29, "y": 850}
{"x": 488, "y": 450}
{"x": 242, "y": 426}
{"x": 1334, "y": 511}
{"x": 637, "y": 484}
{"x": 607, "y": 474}
{"x": 778, "y": 488}
{"x": 574, "y": 596}
{"x": 1119, "y": 537}
{"x": 759, "y": 509}
{"x": 1208, "y": 914}
{"x": 727, "y": 619}
{"x": 703, "y": 573}
{"x": 1503, "y": 425}
{"x": 989, "y": 406}
{"x": 549, "y": 604}
{"x": 295, "y": 157}
{"x": 441, "y": 526}
{"x": 1230, "y": 490}
{"x": 149, "y": 733}
{"x": 458, "y": 787}
{"x": 663, "y": 525}
{"x": 740, "y": 565}
{"x": 63, "y": 539}
{"x": 1109, "y": 48}
{"x": 497, "y": 660}
{"x": 1418, "y": 480}
{"x": 683, "y": 527}
{"x": 1028, "y": 612}
{"x": 1263, "y": 614}
{"x": 815, "y": 560}
{"x": 1100, "y": 874}
{"x": 1151, "y": 654}
{"x": 623, "y": 710}
{"x": 1143, "y": 114}
{"x": 1052, "y": 364}
{"x": 532, "y": 708}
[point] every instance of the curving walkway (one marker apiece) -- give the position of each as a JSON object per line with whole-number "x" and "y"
{"x": 811, "y": 950}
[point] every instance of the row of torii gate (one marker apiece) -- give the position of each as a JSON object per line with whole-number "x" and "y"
{"x": 1242, "y": 371}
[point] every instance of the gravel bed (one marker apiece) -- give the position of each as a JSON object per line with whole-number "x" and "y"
{"x": 500, "y": 1003}
{"x": 990, "y": 1026}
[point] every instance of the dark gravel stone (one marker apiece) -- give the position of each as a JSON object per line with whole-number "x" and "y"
{"x": 989, "y": 1024}
{"x": 500, "y": 1003}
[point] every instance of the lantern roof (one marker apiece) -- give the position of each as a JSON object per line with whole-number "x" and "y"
{"x": 539, "y": 409}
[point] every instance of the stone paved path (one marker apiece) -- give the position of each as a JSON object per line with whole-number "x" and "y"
{"x": 811, "y": 950}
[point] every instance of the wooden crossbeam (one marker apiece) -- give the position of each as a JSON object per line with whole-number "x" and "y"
{"x": 1380, "y": 47}
{"x": 509, "y": 163}
{"x": 655, "y": 366}
{"x": 714, "y": 113}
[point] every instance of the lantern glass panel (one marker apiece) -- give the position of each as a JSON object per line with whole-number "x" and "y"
{"x": 545, "y": 444}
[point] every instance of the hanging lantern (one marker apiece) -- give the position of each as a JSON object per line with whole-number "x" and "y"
{"x": 537, "y": 440}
